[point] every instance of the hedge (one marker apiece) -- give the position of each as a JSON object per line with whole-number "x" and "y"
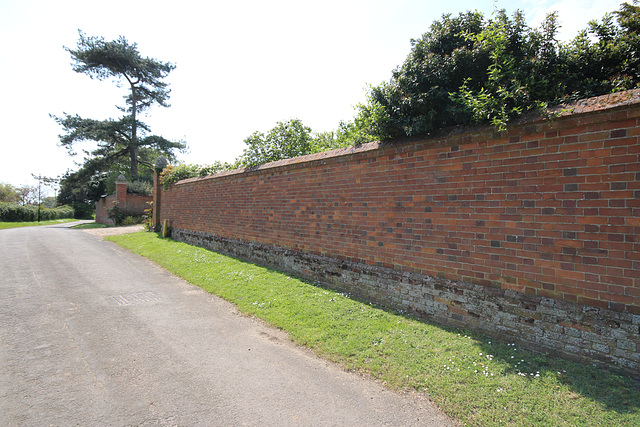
{"x": 11, "y": 212}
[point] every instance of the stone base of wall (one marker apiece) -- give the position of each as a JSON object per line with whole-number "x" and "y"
{"x": 574, "y": 331}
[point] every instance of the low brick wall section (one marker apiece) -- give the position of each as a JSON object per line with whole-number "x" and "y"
{"x": 531, "y": 234}
{"x": 132, "y": 204}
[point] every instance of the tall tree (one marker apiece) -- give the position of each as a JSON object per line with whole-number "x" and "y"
{"x": 121, "y": 61}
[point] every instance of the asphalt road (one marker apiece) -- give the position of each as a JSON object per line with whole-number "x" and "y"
{"x": 91, "y": 335}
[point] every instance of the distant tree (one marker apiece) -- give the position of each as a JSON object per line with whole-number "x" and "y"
{"x": 43, "y": 183}
{"x": 81, "y": 191}
{"x": 287, "y": 139}
{"x": 8, "y": 193}
{"x": 605, "y": 57}
{"x": 50, "y": 202}
{"x": 27, "y": 195}
{"x": 120, "y": 138}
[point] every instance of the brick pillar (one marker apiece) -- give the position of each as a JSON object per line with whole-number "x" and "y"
{"x": 157, "y": 202}
{"x": 121, "y": 192}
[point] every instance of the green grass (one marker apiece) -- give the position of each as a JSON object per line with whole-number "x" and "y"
{"x": 475, "y": 379}
{"x": 5, "y": 225}
{"x": 91, "y": 225}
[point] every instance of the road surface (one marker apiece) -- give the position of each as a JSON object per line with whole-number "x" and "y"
{"x": 91, "y": 335}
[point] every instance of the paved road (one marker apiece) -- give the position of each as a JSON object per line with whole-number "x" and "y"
{"x": 92, "y": 335}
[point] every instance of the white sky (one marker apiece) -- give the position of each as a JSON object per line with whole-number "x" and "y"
{"x": 242, "y": 66}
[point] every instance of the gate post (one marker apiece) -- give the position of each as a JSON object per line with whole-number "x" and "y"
{"x": 161, "y": 163}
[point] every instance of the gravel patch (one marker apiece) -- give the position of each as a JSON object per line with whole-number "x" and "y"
{"x": 114, "y": 231}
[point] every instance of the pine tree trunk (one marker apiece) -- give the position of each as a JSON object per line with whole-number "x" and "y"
{"x": 134, "y": 135}
{"x": 134, "y": 162}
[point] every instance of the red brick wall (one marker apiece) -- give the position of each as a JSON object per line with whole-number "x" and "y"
{"x": 134, "y": 204}
{"x": 548, "y": 208}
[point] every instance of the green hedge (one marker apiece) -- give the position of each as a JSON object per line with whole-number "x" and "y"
{"x": 10, "y": 212}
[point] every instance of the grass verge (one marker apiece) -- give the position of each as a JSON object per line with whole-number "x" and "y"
{"x": 5, "y": 225}
{"x": 475, "y": 379}
{"x": 91, "y": 225}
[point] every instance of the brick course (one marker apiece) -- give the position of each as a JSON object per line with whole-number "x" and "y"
{"x": 545, "y": 214}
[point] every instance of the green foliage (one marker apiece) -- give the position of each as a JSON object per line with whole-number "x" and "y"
{"x": 292, "y": 139}
{"x": 121, "y": 61}
{"x": 90, "y": 225}
{"x": 416, "y": 100}
{"x": 58, "y": 213}
{"x": 287, "y": 139}
{"x": 469, "y": 69}
{"x": 144, "y": 188}
{"x": 81, "y": 192}
{"x": 513, "y": 83}
{"x": 172, "y": 174}
{"x": 11, "y": 212}
{"x": 605, "y": 57}
{"x": 9, "y": 193}
{"x": 83, "y": 210}
{"x": 115, "y": 144}
{"x": 49, "y": 202}
{"x": 356, "y": 132}
{"x": 132, "y": 220}
{"x": 27, "y": 195}
{"x": 147, "y": 217}
{"x": 122, "y": 216}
